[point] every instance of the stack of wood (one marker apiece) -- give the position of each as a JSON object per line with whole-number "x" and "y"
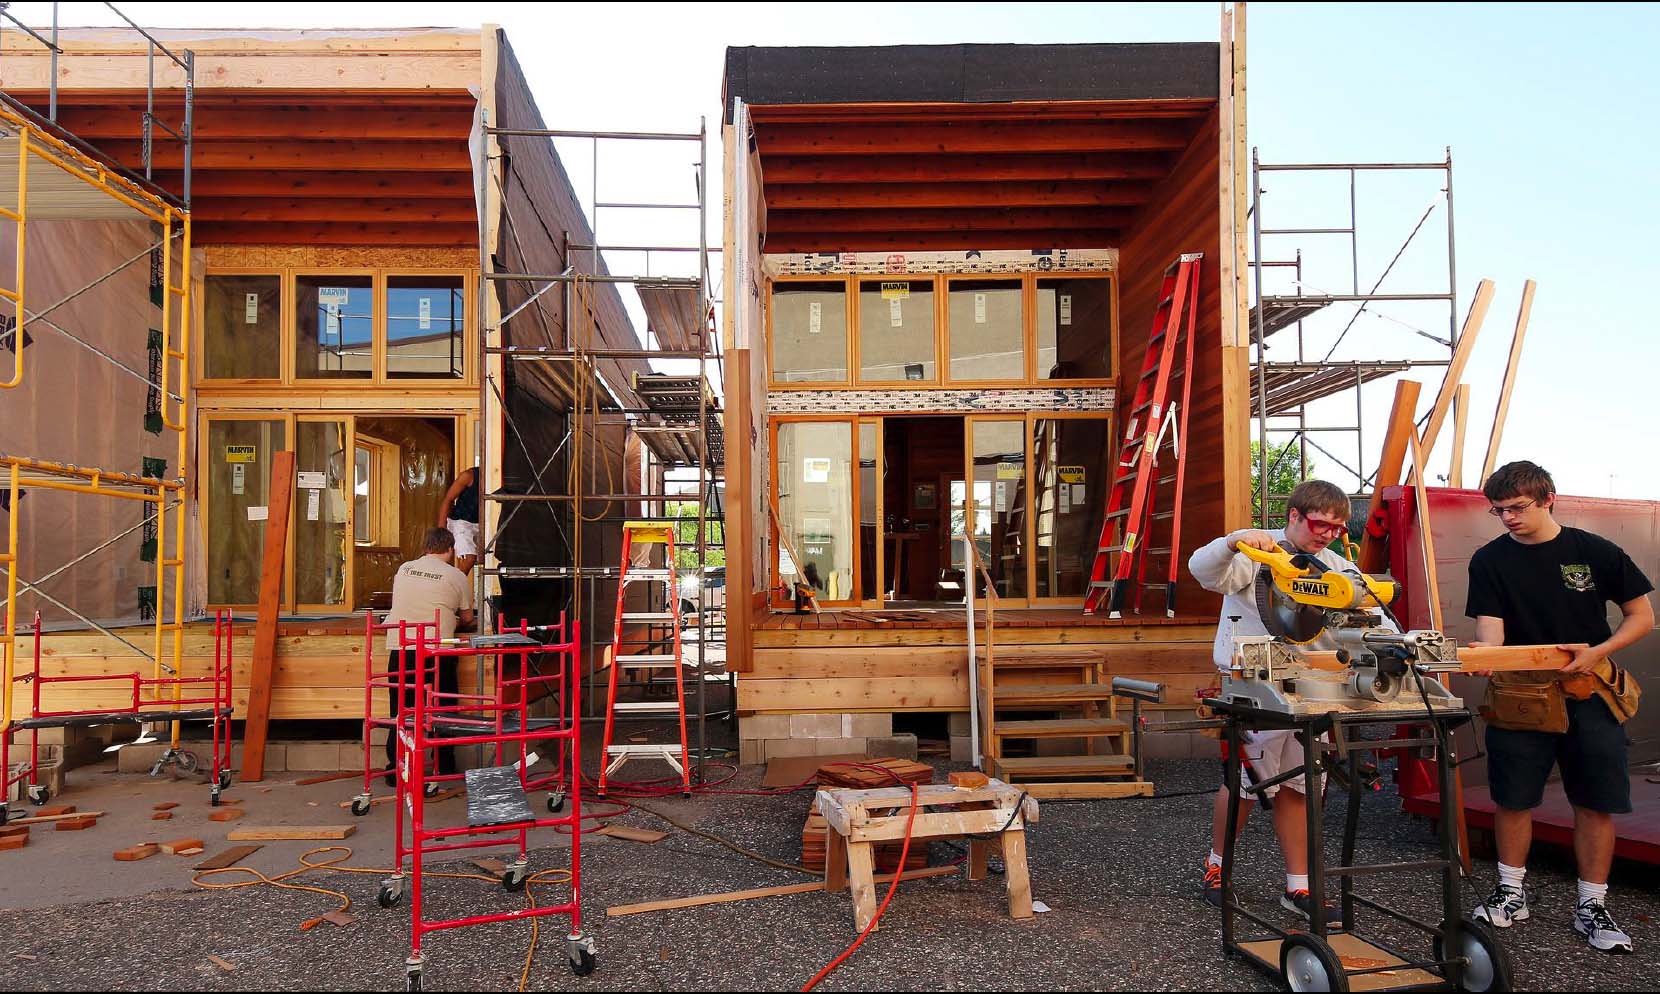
{"x": 863, "y": 777}
{"x": 815, "y": 836}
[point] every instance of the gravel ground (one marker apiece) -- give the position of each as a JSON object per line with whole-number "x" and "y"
{"x": 1120, "y": 877}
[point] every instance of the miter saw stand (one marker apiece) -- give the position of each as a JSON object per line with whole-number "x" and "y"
{"x": 1378, "y": 678}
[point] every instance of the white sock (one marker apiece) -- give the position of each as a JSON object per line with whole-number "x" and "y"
{"x": 1512, "y": 876}
{"x": 1592, "y": 892}
{"x": 1295, "y": 882}
{"x": 1215, "y": 858}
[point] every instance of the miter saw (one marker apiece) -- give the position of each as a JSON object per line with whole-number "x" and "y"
{"x": 1360, "y": 663}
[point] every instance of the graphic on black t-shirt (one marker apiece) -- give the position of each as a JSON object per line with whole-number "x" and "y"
{"x": 1578, "y": 578}
{"x": 1556, "y": 592}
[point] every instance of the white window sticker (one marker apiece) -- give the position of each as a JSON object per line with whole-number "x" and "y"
{"x": 1066, "y": 308}
{"x": 815, "y": 317}
{"x": 313, "y": 504}
{"x": 1002, "y": 499}
{"x": 238, "y": 477}
{"x": 333, "y": 323}
{"x": 896, "y": 313}
{"x": 815, "y": 470}
{"x": 251, "y": 308}
{"x": 1066, "y": 499}
{"x": 426, "y": 313}
{"x": 979, "y": 308}
{"x": 1078, "y": 493}
{"x": 313, "y": 481}
{"x": 258, "y": 513}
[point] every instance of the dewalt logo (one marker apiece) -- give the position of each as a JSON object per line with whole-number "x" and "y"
{"x": 1311, "y": 588}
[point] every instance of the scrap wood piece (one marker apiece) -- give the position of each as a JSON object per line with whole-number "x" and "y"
{"x": 494, "y": 867}
{"x": 133, "y": 854}
{"x": 645, "y": 835}
{"x": 56, "y": 809}
{"x": 225, "y": 965}
{"x": 746, "y": 895}
{"x": 291, "y": 833}
{"x": 229, "y": 857}
{"x": 160, "y": 815}
{"x": 226, "y": 814}
{"x": 49, "y": 819}
{"x": 76, "y": 823}
{"x": 178, "y": 847}
{"x": 340, "y": 919}
{"x": 165, "y": 806}
{"x": 969, "y": 780}
{"x": 14, "y": 839}
{"x": 328, "y": 778}
{"x": 858, "y": 776}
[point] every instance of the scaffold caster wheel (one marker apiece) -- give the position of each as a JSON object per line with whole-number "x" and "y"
{"x": 513, "y": 878}
{"x": 360, "y": 805}
{"x": 1486, "y": 967}
{"x": 429, "y": 790}
{"x": 412, "y": 976}
{"x": 583, "y": 957}
{"x": 556, "y": 802}
{"x": 38, "y": 794}
{"x": 185, "y": 760}
{"x": 1308, "y": 964}
{"x": 391, "y": 892}
{"x": 224, "y": 779}
{"x": 213, "y": 796}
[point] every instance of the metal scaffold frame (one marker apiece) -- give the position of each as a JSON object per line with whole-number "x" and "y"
{"x": 676, "y": 420}
{"x": 1283, "y": 390}
{"x": 79, "y": 182}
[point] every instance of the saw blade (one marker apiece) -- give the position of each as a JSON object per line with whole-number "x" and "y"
{"x": 1284, "y": 617}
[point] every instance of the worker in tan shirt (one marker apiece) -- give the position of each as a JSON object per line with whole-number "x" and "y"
{"x": 426, "y": 591}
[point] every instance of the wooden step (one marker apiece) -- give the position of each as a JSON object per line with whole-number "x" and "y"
{"x": 1039, "y": 696}
{"x": 1010, "y": 768}
{"x": 1004, "y": 660}
{"x": 1060, "y": 728}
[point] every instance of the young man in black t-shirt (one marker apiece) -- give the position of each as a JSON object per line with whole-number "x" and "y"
{"x": 1542, "y": 584}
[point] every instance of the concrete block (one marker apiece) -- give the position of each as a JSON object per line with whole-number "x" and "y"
{"x": 957, "y": 723}
{"x": 863, "y": 726}
{"x": 276, "y": 757}
{"x": 785, "y": 748}
{"x": 764, "y": 726}
{"x": 816, "y": 726}
{"x": 892, "y": 747}
{"x": 1174, "y": 745}
{"x": 752, "y": 752}
{"x": 139, "y": 758}
{"x": 962, "y": 749}
{"x": 841, "y": 747}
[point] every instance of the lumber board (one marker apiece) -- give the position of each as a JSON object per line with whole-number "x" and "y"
{"x": 897, "y": 170}
{"x": 978, "y": 137}
{"x": 747, "y": 895}
{"x": 1473, "y": 659}
{"x": 49, "y": 819}
{"x": 1395, "y": 442}
{"x": 1461, "y": 428}
{"x": 1027, "y": 193}
{"x": 1509, "y": 383}
{"x": 229, "y": 857}
{"x": 270, "y": 604}
{"x": 644, "y": 835}
{"x": 1455, "y": 371}
{"x": 290, "y": 833}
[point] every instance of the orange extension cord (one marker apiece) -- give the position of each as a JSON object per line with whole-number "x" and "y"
{"x": 893, "y": 887}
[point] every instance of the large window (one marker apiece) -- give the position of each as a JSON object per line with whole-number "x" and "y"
{"x": 809, "y": 333}
{"x": 1000, "y": 501}
{"x": 942, "y": 331}
{"x": 321, "y": 550}
{"x": 815, "y": 506}
{"x": 242, "y": 327}
{"x": 238, "y": 471}
{"x": 334, "y": 327}
{"x": 342, "y": 327}
{"x": 425, "y": 318}
{"x": 896, "y": 331}
{"x": 1069, "y": 457}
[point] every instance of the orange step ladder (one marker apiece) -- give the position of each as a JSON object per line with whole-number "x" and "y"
{"x": 1134, "y": 507}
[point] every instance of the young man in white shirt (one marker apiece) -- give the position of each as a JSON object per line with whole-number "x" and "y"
{"x": 425, "y": 590}
{"x": 1317, "y": 515}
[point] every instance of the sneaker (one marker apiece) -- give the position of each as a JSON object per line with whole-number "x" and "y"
{"x": 1592, "y": 920}
{"x": 1504, "y": 907}
{"x": 1301, "y": 902}
{"x": 1213, "y": 884}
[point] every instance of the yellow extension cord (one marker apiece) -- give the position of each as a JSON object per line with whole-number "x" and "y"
{"x": 337, "y": 864}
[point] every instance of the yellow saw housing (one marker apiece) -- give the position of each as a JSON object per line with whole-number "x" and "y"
{"x": 1321, "y": 587}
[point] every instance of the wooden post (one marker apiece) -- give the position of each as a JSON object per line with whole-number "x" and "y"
{"x": 1455, "y": 370}
{"x": 258, "y": 718}
{"x": 1503, "y": 411}
{"x": 1461, "y": 424}
{"x": 1389, "y": 470}
{"x": 861, "y": 871}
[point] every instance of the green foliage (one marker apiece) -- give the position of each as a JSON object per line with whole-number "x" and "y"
{"x": 1284, "y": 473}
{"x": 685, "y": 538}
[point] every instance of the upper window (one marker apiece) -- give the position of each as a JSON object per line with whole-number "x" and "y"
{"x": 1074, "y": 329}
{"x": 809, "y": 333}
{"x": 242, "y": 327}
{"x": 987, "y": 330}
{"x": 896, "y": 331}
{"x": 334, "y": 327}
{"x": 425, "y": 318}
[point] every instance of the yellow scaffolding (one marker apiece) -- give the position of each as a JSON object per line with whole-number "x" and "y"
{"x": 77, "y": 186}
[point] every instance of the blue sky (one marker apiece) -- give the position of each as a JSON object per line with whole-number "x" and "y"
{"x": 1549, "y": 110}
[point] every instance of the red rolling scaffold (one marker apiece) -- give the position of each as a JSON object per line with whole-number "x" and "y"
{"x": 527, "y": 664}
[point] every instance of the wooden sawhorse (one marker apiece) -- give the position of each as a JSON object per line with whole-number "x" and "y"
{"x": 858, "y": 819}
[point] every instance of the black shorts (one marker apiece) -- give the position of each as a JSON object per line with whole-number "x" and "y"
{"x": 1592, "y": 753}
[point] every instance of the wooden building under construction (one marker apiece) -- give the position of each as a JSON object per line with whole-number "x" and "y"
{"x": 335, "y": 311}
{"x": 944, "y": 264}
